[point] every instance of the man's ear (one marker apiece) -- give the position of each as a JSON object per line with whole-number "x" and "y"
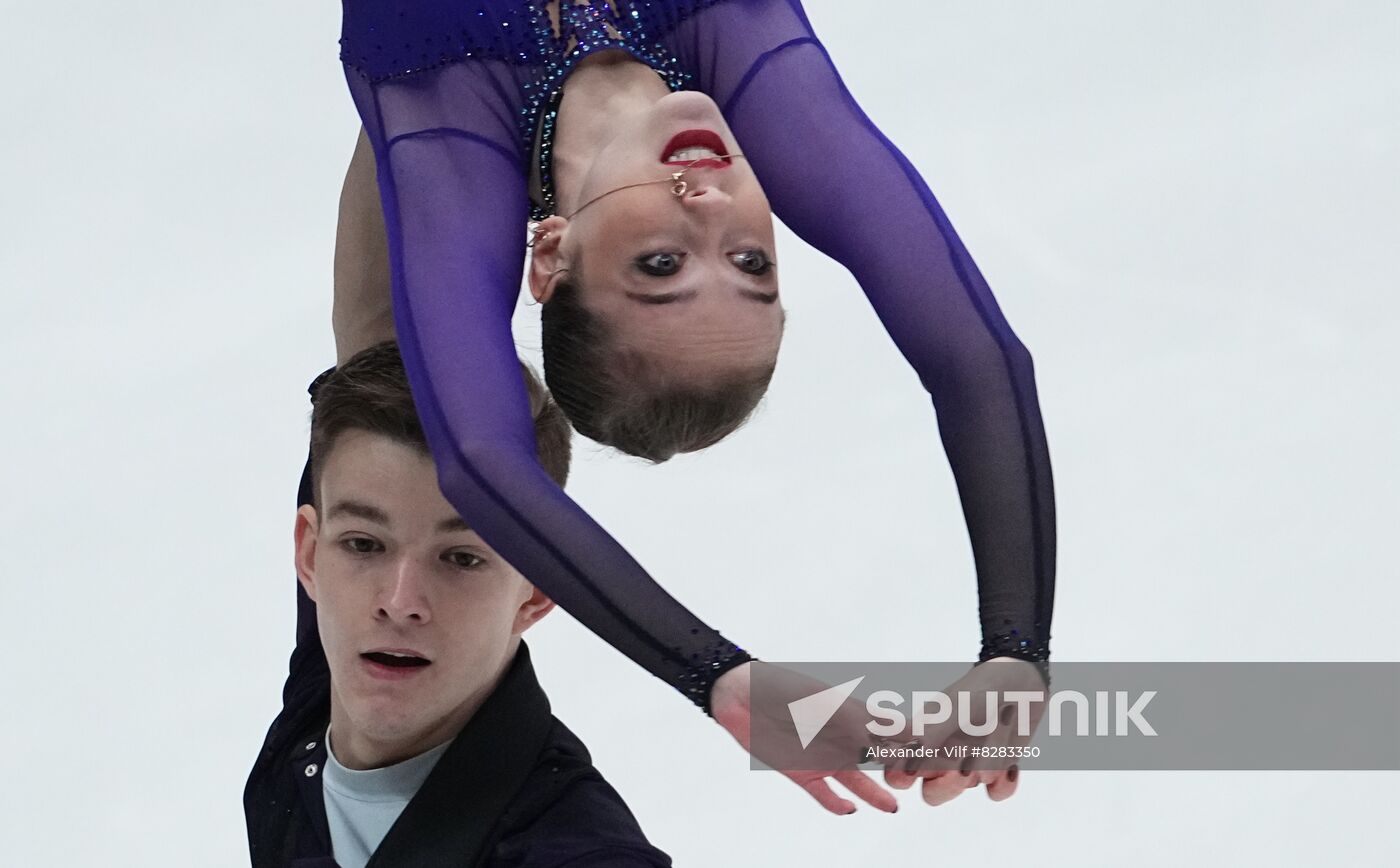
{"x": 546, "y": 266}
{"x": 305, "y": 535}
{"x": 535, "y": 607}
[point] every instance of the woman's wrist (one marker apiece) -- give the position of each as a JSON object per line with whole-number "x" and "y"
{"x": 731, "y": 686}
{"x": 1042, "y": 667}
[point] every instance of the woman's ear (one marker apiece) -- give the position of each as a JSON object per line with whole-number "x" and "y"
{"x": 546, "y": 266}
{"x": 305, "y": 536}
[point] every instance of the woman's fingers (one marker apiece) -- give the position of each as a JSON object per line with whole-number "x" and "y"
{"x": 942, "y": 787}
{"x": 1004, "y": 786}
{"x": 899, "y": 779}
{"x": 1001, "y": 783}
{"x": 860, "y": 784}
{"x": 991, "y": 765}
{"x": 819, "y": 789}
{"x": 957, "y": 768}
{"x": 865, "y": 788}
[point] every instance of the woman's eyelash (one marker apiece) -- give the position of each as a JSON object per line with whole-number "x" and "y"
{"x": 661, "y": 263}
{"x": 766, "y": 262}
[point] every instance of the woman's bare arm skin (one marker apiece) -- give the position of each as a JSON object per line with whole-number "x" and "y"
{"x": 363, "y": 313}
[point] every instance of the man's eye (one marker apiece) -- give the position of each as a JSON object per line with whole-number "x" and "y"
{"x": 752, "y": 261}
{"x": 465, "y": 560}
{"x": 360, "y": 545}
{"x": 660, "y": 264}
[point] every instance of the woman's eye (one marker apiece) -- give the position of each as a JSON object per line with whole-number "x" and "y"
{"x": 753, "y": 262}
{"x": 360, "y": 545}
{"x": 660, "y": 264}
{"x": 465, "y": 560}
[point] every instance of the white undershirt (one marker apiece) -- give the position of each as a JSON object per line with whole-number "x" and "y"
{"x": 361, "y": 806}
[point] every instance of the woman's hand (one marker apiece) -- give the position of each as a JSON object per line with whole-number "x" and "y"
{"x": 1000, "y": 774}
{"x": 845, "y": 733}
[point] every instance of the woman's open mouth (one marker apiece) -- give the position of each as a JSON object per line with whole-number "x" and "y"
{"x": 696, "y": 148}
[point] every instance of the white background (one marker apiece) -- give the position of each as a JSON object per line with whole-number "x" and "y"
{"x": 1187, "y": 211}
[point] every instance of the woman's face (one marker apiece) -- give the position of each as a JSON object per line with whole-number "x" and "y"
{"x": 688, "y": 279}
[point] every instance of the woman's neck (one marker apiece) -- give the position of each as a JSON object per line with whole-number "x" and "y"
{"x": 602, "y": 90}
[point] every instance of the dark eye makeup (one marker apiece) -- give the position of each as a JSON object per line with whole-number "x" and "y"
{"x": 754, "y": 262}
{"x": 664, "y": 263}
{"x": 660, "y": 264}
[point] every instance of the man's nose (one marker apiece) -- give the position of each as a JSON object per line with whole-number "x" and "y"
{"x": 405, "y": 599}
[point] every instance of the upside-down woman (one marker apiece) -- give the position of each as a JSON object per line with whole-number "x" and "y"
{"x": 652, "y": 142}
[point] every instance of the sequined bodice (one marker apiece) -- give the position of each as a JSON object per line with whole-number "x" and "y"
{"x": 585, "y": 29}
{"x": 522, "y": 34}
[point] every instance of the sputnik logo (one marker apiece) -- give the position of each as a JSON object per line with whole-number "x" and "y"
{"x": 811, "y": 713}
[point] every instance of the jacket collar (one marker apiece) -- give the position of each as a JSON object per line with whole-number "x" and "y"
{"x": 450, "y": 820}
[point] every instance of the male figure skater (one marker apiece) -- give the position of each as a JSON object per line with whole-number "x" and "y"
{"x": 414, "y": 733}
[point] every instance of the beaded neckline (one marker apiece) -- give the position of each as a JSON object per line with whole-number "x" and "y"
{"x": 591, "y": 27}
{"x": 373, "y": 43}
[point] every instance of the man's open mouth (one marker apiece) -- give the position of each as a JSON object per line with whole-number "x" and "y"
{"x": 395, "y": 659}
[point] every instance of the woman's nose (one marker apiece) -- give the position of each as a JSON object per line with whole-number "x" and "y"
{"x": 706, "y": 196}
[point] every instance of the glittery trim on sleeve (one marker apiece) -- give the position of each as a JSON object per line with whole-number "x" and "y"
{"x": 705, "y": 668}
{"x": 1011, "y": 644}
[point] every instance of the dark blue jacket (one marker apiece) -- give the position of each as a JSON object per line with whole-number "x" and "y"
{"x": 515, "y": 788}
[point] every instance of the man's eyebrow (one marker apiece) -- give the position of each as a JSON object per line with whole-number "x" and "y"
{"x": 356, "y": 509}
{"x": 455, "y": 523}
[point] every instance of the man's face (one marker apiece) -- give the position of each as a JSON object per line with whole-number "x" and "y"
{"x": 418, "y": 616}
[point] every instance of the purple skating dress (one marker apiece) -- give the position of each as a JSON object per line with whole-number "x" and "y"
{"x": 452, "y": 92}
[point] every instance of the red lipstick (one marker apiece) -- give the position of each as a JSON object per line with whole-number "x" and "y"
{"x": 697, "y": 139}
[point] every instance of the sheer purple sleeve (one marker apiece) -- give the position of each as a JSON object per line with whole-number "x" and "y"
{"x": 837, "y": 182}
{"x": 455, "y": 207}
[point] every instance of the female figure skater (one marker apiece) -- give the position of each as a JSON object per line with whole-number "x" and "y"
{"x": 653, "y": 136}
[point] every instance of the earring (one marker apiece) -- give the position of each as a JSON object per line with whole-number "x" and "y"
{"x": 537, "y": 234}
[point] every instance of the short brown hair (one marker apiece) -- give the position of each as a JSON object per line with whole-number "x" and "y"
{"x": 370, "y": 392}
{"x": 618, "y": 399}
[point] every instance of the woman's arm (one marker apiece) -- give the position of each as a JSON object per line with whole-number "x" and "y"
{"x": 363, "y": 314}
{"x": 837, "y": 182}
{"x": 454, "y": 203}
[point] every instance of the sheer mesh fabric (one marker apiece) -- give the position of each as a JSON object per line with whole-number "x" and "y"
{"x": 869, "y": 209}
{"x": 446, "y": 129}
